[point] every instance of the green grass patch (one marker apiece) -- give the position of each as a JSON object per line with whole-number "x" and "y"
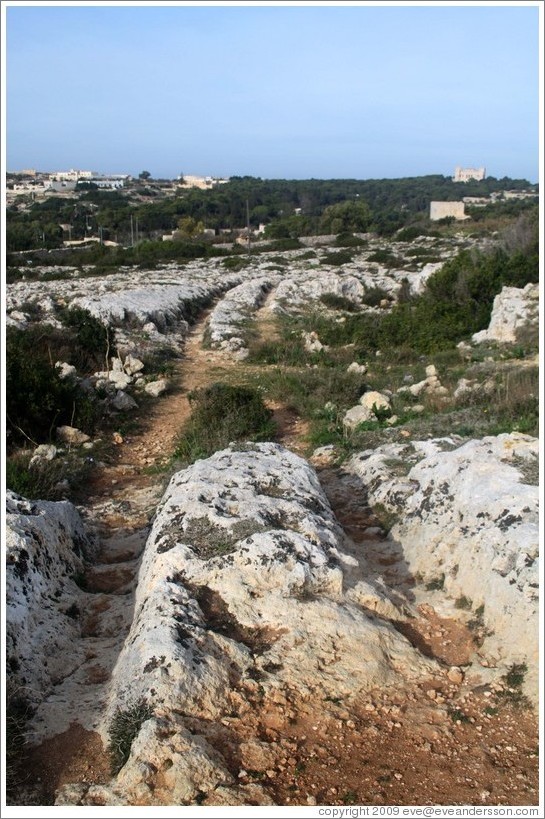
{"x": 53, "y": 480}
{"x": 221, "y": 414}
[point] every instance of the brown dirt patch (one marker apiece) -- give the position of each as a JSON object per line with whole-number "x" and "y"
{"x": 443, "y": 638}
{"x": 76, "y": 755}
{"x": 394, "y": 749}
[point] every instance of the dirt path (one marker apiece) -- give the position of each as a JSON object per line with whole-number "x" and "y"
{"x": 399, "y": 747}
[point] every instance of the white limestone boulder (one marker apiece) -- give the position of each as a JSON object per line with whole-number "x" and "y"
{"x": 156, "y": 388}
{"x": 370, "y": 403}
{"x": 132, "y": 365}
{"x": 43, "y": 452}
{"x": 65, "y": 370}
{"x": 514, "y": 318}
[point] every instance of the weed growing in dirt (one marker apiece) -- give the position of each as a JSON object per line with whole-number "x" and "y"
{"x": 124, "y": 729}
{"x": 18, "y": 713}
{"x": 513, "y": 681}
{"x": 457, "y": 716}
{"x": 437, "y": 584}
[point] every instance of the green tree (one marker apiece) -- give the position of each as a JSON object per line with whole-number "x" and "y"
{"x": 346, "y": 217}
{"x": 188, "y": 228}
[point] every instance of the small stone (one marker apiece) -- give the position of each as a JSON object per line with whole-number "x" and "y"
{"x": 455, "y": 675}
{"x": 71, "y": 435}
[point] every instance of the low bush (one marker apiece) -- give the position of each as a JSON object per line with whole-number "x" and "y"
{"x": 37, "y": 400}
{"x": 17, "y": 714}
{"x": 91, "y": 341}
{"x": 236, "y": 263}
{"x": 337, "y": 259}
{"x": 335, "y": 302}
{"x": 410, "y": 233}
{"x": 221, "y": 414}
{"x": 385, "y": 257}
{"x": 47, "y": 480}
{"x": 124, "y": 729}
{"x": 349, "y": 240}
{"x": 374, "y": 295}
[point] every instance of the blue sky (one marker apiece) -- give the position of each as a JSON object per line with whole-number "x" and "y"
{"x": 273, "y": 91}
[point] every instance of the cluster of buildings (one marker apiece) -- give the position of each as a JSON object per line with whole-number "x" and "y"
{"x": 39, "y": 184}
{"x": 456, "y": 210}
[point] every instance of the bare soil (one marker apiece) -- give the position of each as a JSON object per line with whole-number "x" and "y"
{"x": 442, "y": 742}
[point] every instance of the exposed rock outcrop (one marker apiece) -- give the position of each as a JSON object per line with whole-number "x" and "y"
{"x": 515, "y": 317}
{"x": 467, "y": 517}
{"x": 226, "y": 324}
{"x": 46, "y": 546}
{"x": 242, "y": 579}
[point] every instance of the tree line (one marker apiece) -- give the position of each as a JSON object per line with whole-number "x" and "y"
{"x": 288, "y": 209}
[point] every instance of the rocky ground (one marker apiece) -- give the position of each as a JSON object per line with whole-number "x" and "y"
{"x": 288, "y": 720}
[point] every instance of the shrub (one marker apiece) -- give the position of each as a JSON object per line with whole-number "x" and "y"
{"x": 513, "y": 680}
{"x": 236, "y": 263}
{"x": 124, "y": 729}
{"x": 92, "y": 339}
{"x": 335, "y": 302}
{"x": 437, "y": 584}
{"x": 286, "y": 244}
{"x": 374, "y": 296}
{"x": 410, "y": 233}
{"x": 337, "y": 259}
{"x": 46, "y": 480}
{"x": 384, "y": 257}
{"x": 37, "y": 399}
{"x": 349, "y": 240}
{"x": 223, "y": 413}
{"x": 18, "y": 712}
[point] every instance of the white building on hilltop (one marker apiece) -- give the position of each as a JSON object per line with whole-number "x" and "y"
{"x": 465, "y": 174}
{"x": 443, "y": 210}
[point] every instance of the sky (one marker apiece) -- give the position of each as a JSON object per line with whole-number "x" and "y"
{"x": 275, "y": 90}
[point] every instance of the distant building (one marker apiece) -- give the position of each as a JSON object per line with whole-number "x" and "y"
{"x": 71, "y": 176}
{"x": 202, "y": 182}
{"x": 61, "y": 186}
{"x": 465, "y": 174}
{"x": 442, "y": 210}
{"x": 113, "y": 182}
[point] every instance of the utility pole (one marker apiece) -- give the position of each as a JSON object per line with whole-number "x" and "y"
{"x": 248, "y": 223}
{"x": 137, "y": 230}
{"x": 132, "y": 233}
